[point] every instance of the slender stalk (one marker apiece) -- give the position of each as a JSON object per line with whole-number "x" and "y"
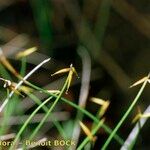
{"x": 106, "y": 128}
{"x": 45, "y": 109}
{"x": 43, "y": 120}
{"x": 49, "y": 111}
{"x": 27, "y": 122}
{"x": 125, "y": 116}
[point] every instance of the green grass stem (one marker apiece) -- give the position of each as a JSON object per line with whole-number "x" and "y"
{"x": 124, "y": 116}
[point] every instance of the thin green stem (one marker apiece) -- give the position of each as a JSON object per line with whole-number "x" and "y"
{"x": 27, "y": 122}
{"x": 45, "y": 109}
{"x": 124, "y": 116}
{"x": 49, "y": 111}
{"x": 106, "y": 128}
{"x": 4, "y": 73}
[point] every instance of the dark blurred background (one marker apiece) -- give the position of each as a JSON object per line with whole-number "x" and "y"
{"x": 115, "y": 34}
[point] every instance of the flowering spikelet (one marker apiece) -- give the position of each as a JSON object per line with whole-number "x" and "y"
{"x": 53, "y": 91}
{"x": 140, "y": 115}
{"x": 7, "y": 64}
{"x": 61, "y": 71}
{"x": 23, "y": 88}
{"x": 104, "y": 105}
{"x": 11, "y": 86}
{"x": 26, "y": 52}
{"x": 71, "y": 71}
{"x": 141, "y": 81}
{"x": 87, "y": 131}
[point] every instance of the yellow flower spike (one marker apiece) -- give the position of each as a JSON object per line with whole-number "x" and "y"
{"x": 97, "y": 100}
{"x": 12, "y": 88}
{"x": 69, "y": 80}
{"x": 71, "y": 71}
{"x": 136, "y": 118}
{"x": 101, "y": 102}
{"x": 147, "y": 115}
{"x": 26, "y": 89}
{"x": 87, "y": 131}
{"x": 74, "y": 70}
{"x": 61, "y": 71}
{"x": 26, "y": 52}
{"x": 140, "y": 115}
{"x": 53, "y": 91}
{"x": 140, "y": 81}
{"x": 7, "y": 64}
{"x": 23, "y": 88}
{"x": 104, "y": 108}
{"x": 9, "y": 85}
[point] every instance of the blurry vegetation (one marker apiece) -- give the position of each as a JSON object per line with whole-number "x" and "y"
{"x": 107, "y": 41}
